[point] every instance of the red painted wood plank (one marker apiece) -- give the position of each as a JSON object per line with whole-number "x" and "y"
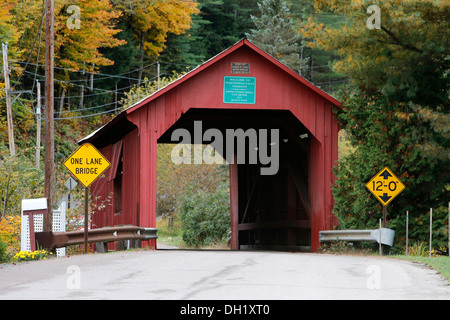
{"x": 277, "y": 88}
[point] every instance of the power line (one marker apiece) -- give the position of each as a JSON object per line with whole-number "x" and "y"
{"x": 62, "y": 81}
{"x": 38, "y": 35}
{"x": 90, "y": 115}
{"x": 105, "y": 76}
{"x": 90, "y": 108}
{"x": 35, "y": 75}
{"x": 104, "y": 91}
{"x": 79, "y": 85}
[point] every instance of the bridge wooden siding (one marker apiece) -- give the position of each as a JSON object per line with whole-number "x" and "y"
{"x": 130, "y": 140}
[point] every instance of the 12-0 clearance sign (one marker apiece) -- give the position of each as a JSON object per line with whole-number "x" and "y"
{"x": 87, "y": 164}
{"x": 385, "y": 186}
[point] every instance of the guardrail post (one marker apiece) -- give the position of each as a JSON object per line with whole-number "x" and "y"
{"x": 101, "y": 247}
{"x": 380, "y": 248}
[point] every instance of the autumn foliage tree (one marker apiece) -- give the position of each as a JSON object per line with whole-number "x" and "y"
{"x": 152, "y": 20}
{"x": 396, "y": 109}
{"x": 79, "y": 48}
{"x": 75, "y": 47}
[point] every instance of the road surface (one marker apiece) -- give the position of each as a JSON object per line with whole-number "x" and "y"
{"x": 220, "y": 275}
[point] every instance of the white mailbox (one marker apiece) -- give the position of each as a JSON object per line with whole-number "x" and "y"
{"x": 31, "y": 209}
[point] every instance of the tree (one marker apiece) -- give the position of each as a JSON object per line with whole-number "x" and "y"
{"x": 8, "y": 32}
{"x": 219, "y": 25}
{"x": 319, "y": 70}
{"x": 152, "y": 21}
{"x": 396, "y": 110}
{"x": 77, "y": 45}
{"x": 78, "y": 48}
{"x": 411, "y": 41}
{"x": 276, "y": 34}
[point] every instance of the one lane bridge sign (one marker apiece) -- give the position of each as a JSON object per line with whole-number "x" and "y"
{"x": 385, "y": 186}
{"x": 87, "y": 164}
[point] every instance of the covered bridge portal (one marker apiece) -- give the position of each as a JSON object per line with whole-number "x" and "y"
{"x": 241, "y": 88}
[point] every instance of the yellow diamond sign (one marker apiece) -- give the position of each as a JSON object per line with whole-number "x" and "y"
{"x": 385, "y": 186}
{"x": 87, "y": 164}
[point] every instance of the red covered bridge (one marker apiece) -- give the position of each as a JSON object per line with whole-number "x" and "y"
{"x": 285, "y": 210}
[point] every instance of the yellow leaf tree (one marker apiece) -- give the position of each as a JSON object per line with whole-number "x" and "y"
{"x": 152, "y": 21}
{"x": 78, "y": 47}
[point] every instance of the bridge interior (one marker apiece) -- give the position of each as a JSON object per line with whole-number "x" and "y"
{"x": 272, "y": 211}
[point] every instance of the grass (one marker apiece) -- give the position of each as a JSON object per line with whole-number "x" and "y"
{"x": 173, "y": 236}
{"x": 440, "y": 264}
{"x": 418, "y": 254}
{"x": 170, "y": 235}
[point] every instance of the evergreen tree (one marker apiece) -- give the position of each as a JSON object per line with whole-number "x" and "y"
{"x": 219, "y": 25}
{"x": 224, "y": 23}
{"x": 276, "y": 34}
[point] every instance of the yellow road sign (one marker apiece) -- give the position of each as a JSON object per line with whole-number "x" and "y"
{"x": 385, "y": 186}
{"x": 87, "y": 164}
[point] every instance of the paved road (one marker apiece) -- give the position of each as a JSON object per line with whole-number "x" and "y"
{"x": 221, "y": 275}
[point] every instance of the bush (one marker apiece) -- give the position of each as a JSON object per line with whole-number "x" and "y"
{"x": 10, "y": 235}
{"x": 4, "y": 257}
{"x": 205, "y": 216}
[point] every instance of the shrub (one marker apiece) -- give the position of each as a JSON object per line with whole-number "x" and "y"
{"x": 10, "y": 234}
{"x": 205, "y": 216}
{"x": 4, "y": 257}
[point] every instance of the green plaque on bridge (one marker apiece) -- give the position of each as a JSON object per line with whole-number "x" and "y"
{"x": 239, "y": 90}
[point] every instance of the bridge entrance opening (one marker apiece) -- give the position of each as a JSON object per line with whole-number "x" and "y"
{"x": 268, "y": 185}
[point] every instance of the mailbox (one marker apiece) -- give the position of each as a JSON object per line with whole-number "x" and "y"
{"x": 31, "y": 207}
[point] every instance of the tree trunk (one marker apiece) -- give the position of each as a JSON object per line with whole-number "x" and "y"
{"x": 141, "y": 60}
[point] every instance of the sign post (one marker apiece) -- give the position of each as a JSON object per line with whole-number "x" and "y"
{"x": 407, "y": 232}
{"x": 385, "y": 186}
{"x": 431, "y": 231}
{"x": 86, "y": 164}
{"x": 70, "y": 185}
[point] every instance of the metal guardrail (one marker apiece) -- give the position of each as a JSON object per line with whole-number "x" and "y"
{"x": 53, "y": 240}
{"x": 387, "y": 236}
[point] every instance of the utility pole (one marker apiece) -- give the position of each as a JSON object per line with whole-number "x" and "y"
{"x": 115, "y": 100}
{"x": 12, "y": 148}
{"x": 49, "y": 112}
{"x": 38, "y": 132}
{"x": 158, "y": 72}
{"x": 80, "y": 106}
{"x": 91, "y": 78}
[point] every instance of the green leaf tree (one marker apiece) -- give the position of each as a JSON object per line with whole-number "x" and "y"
{"x": 396, "y": 110}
